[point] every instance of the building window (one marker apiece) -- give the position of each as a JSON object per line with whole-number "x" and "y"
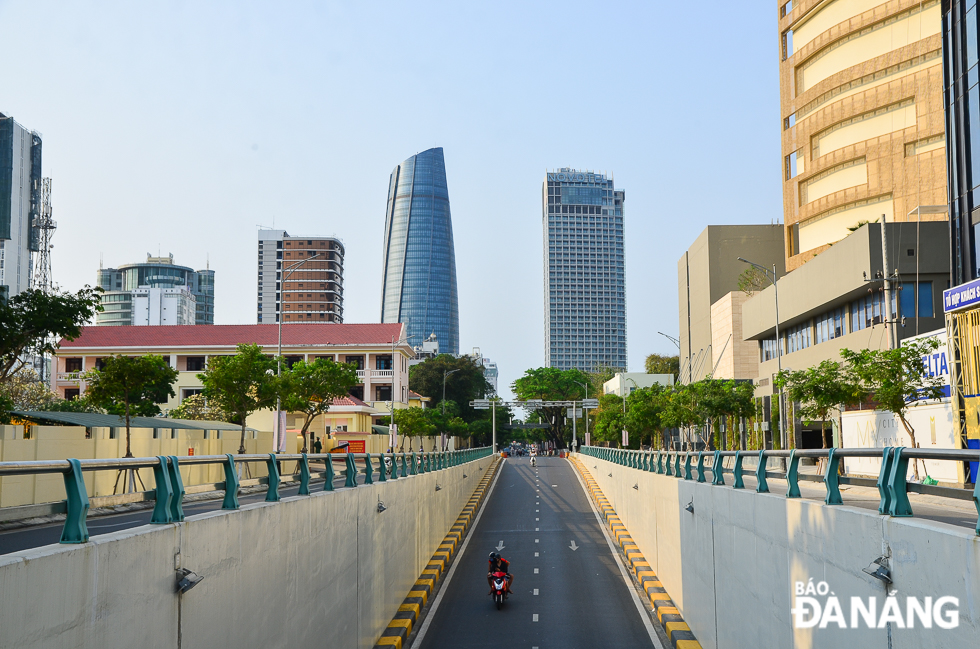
{"x": 769, "y": 349}
{"x": 907, "y": 299}
{"x": 189, "y": 392}
{"x": 73, "y": 364}
{"x": 383, "y": 393}
{"x": 382, "y": 363}
{"x": 195, "y": 363}
{"x": 798, "y": 338}
{"x": 868, "y": 311}
{"x": 357, "y": 361}
{"x": 830, "y": 325}
{"x": 71, "y": 393}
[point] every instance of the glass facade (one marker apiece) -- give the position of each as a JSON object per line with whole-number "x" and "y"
{"x": 961, "y": 94}
{"x": 584, "y": 266}
{"x": 420, "y": 261}
{"x": 157, "y": 272}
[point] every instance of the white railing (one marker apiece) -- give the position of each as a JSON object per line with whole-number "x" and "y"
{"x": 375, "y": 374}
{"x": 69, "y": 376}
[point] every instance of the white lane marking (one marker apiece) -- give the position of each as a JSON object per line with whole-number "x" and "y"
{"x": 535, "y": 554}
{"x": 534, "y": 618}
{"x": 537, "y": 529}
{"x": 535, "y": 540}
{"x": 536, "y": 511}
{"x": 554, "y": 485}
{"x": 535, "y": 591}
{"x": 452, "y": 571}
{"x": 644, "y": 616}
{"x": 537, "y": 519}
{"x": 535, "y": 571}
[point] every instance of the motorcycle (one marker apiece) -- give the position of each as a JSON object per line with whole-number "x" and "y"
{"x": 533, "y": 461}
{"x": 499, "y": 582}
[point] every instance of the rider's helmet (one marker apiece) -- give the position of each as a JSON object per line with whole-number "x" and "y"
{"x": 494, "y": 556}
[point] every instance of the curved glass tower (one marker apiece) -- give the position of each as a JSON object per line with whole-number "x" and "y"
{"x": 420, "y": 263}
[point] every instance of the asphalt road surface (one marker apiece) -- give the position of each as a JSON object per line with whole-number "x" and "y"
{"x": 562, "y": 597}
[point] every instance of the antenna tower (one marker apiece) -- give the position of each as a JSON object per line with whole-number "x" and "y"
{"x": 45, "y": 226}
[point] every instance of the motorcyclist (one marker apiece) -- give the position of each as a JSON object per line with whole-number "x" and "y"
{"x": 499, "y": 564}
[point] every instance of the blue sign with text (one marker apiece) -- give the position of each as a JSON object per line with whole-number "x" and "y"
{"x": 962, "y": 296}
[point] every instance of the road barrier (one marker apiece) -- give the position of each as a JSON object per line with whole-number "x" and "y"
{"x": 168, "y": 492}
{"x": 892, "y": 483}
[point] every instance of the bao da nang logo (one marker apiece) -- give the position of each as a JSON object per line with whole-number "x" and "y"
{"x": 816, "y": 606}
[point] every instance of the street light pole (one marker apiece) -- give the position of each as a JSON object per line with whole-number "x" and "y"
{"x": 575, "y": 416}
{"x": 445, "y": 374}
{"x": 281, "y": 433}
{"x": 779, "y": 344}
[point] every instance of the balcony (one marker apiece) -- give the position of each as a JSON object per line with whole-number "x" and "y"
{"x": 375, "y": 374}
{"x": 69, "y": 377}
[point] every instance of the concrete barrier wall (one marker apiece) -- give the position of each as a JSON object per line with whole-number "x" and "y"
{"x": 731, "y": 566}
{"x": 325, "y": 570}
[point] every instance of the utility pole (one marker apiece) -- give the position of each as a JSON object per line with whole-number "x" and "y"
{"x": 891, "y": 323}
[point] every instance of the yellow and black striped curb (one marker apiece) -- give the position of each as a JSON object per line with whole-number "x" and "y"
{"x": 678, "y": 632}
{"x": 408, "y": 613}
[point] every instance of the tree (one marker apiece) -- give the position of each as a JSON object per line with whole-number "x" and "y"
{"x": 26, "y": 391}
{"x": 241, "y": 384}
{"x": 552, "y": 384}
{"x": 752, "y": 280}
{"x": 128, "y": 386}
{"x": 895, "y": 378}
{"x": 819, "y": 390}
{"x": 609, "y": 418}
{"x": 657, "y": 364}
{"x": 310, "y": 388}
{"x": 465, "y": 384}
{"x": 196, "y": 407}
{"x": 413, "y": 422}
{"x": 31, "y": 321}
{"x": 645, "y": 409}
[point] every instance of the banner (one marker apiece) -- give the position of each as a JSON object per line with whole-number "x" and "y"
{"x": 626, "y": 438}
{"x": 279, "y": 431}
{"x": 588, "y": 439}
{"x": 393, "y": 437}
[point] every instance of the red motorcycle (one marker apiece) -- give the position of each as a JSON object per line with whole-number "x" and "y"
{"x": 499, "y": 587}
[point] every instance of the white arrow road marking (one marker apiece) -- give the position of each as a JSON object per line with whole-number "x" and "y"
{"x": 535, "y": 571}
{"x": 534, "y": 618}
{"x": 500, "y": 546}
{"x": 573, "y": 546}
{"x": 535, "y": 591}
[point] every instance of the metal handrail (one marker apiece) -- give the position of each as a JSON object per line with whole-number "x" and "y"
{"x": 169, "y": 489}
{"x": 892, "y": 483}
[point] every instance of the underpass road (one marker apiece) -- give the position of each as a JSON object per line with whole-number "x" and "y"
{"x": 562, "y": 597}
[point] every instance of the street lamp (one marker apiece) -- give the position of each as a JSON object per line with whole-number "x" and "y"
{"x": 779, "y": 347}
{"x": 575, "y": 416}
{"x": 281, "y": 436}
{"x": 445, "y": 374}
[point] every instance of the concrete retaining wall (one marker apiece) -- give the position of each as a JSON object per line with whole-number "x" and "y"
{"x": 732, "y": 565}
{"x": 325, "y": 570}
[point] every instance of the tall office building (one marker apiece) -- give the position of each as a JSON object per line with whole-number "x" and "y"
{"x": 862, "y": 117}
{"x": 126, "y": 302}
{"x": 20, "y": 204}
{"x": 420, "y": 261}
{"x": 299, "y": 290}
{"x": 584, "y": 271}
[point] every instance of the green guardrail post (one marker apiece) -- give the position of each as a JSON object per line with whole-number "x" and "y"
{"x": 272, "y": 495}
{"x": 231, "y": 483}
{"x": 382, "y": 468}
{"x": 670, "y": 464}
{"x": 350, "y": 475}
{"x": 415, "y": 464}
{"x": 718, "y": 469}
{"x": 738, "y": 483}
{"x": 760, "y": 474}
{"x": 368, "y": 469}
{"x": 886, "y": 465}
{"x": 177, "y": 484}
{"x": 304, "y": 476}
{"x": 793, "y": 476}
{"x": 700, "y": 466}
{"x": 660, "y": 462}
{"x": 687, "y": 467}
{"x": 831, "y": 479}
{"x": 677, "y": 465}
{"x": 394, "y": 467}
{"x": 164, "y": 493}
{"x": 328, "y": 480}
{"x": 75, "y": 530}
{"x": 900, "y": 505}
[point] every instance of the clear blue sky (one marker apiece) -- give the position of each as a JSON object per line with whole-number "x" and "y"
{"x": 181, "y": 126}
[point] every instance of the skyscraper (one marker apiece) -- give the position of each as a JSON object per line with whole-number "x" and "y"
{"x": 584, "y": 271}
{"x": 420, "y": 262}
{"x": 20, "y": 202}
{"x": 311, "y": 291}
{"x": 125, "y": 304}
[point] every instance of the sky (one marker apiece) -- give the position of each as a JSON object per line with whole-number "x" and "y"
{"x": 181, "y": 127}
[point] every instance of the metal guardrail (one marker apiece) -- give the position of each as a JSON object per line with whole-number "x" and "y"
{"x": 169, "y": 491}
{"x": 893, "y": 486}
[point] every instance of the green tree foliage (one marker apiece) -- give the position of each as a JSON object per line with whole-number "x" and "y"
{"x": 645, "y": 409}
{"x": 752, "y": 280}
{"x": 820, "y": 390}
{"x": 26, "y": 391}
{"x": 552, "y": 384}
{"x": 129, "y": 386}
{"x": 241, "y": 384}
{"x": 895, "y": 378}
{"x": 465, "y": 384}
{"x": 413, "y": 422}
{"x": 30, "y": 323}
{"x": 657, "y": 364}
{"x": 609, "y": 419}
{"x": 310, "y": 388}
{"x": 196, "y": 407}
